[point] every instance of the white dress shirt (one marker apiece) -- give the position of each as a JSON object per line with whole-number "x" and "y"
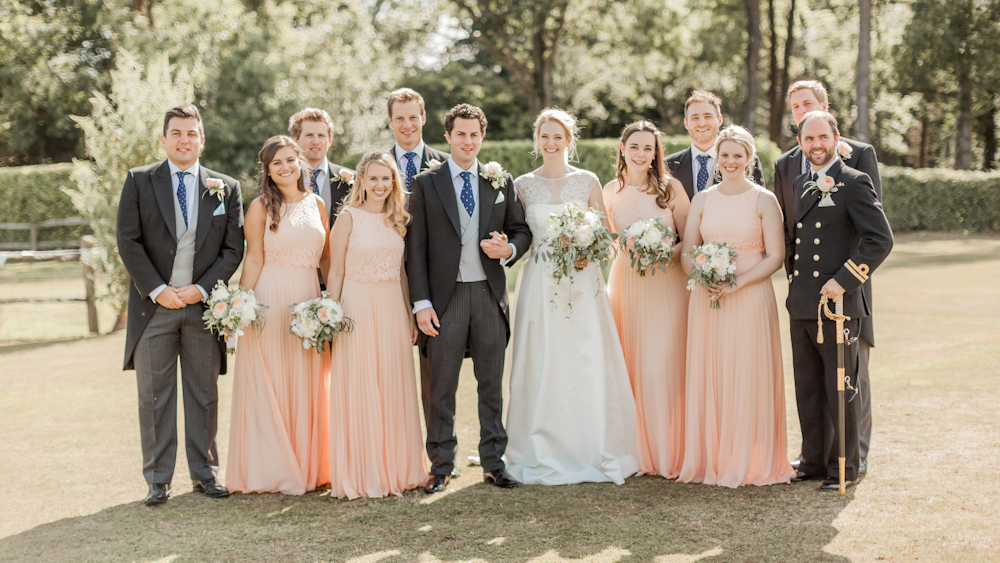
{"x": 696, "y": 166}
{"x": 191, "y": 191}
{"x": 459, "y": 184}
{"x": 825, "y": 169}
{"x": 401, "y": 158}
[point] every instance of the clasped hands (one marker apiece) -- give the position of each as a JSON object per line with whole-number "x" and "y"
{"x": 496, "y": 247}
{"x": 178, "y": 298}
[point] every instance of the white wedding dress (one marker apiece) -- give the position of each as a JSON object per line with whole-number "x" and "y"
{"x": 571, "y": 415}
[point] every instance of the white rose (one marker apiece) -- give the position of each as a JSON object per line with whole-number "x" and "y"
{"x": 309, "y": 328}
{"x": 220, "y": 293}
{"x": 491, "y": 169}
{"x": 327, "y": 303}
{"x": 583, "y": 236}
{"x": 635, "y": 229}
{"x": 652, "y": 238}
{"x": 591, "y": 218}
{"x": 691, "y": 285}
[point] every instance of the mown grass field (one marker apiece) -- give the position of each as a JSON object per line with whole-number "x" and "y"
{"x": 70, "y": 479}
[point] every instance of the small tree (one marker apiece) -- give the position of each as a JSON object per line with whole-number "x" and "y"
{"x": 122, "y": 132}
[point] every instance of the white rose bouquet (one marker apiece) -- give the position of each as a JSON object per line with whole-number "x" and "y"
{"x": 650, "y": 245}
{"x": 714, "y": 263}
{"x": 575, "y": 235}
{"x": 319, "y": 321}
{"x": 230, "y": 310}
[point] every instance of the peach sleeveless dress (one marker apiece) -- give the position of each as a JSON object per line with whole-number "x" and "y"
{"x": 651, "y": 315}
{"x": 278, "y": 427}
{"x": 375, "y": 441}
{"x": 735, "y": 404}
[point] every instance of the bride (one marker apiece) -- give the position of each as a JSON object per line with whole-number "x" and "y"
{"x": 572, "y": 415}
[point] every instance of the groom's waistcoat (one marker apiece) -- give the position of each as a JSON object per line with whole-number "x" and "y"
{"x": 182, "y": 273}
{"x": 470, "y": 265}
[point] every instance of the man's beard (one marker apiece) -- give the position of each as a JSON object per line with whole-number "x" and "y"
{"x": 824, "y": 160}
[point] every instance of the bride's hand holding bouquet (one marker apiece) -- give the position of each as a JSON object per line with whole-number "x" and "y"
{"x": 575, "y": 238}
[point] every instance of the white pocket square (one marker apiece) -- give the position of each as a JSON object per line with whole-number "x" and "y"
{"x": 500, "y": 198}
{"x": 220, "y": 210}
{"x": 827, "y": 201}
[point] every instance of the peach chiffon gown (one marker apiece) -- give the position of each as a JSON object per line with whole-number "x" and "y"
{"x": 735, "y": 404}
{"x": 278, "y": 439}
{"x": 375, "y": 440}
{"x": 651, "y": 315}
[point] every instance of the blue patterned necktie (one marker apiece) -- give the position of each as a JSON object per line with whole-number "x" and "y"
{"x": 467, "y": 199}
{"x": 313, "y": 183}
{"x": 809, "y": 168}
{"x": 411, "y": 169}
{"x": 703, "y": 171}
{"x": 182, "y": 196}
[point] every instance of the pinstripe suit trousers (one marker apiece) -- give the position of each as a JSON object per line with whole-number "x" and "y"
{"x": 173, "y": 334}
{"x": 473, "y": 318}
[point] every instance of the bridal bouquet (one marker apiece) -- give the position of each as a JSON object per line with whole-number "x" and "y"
{"x": 714, "y": 263}
{"x": 575, "y": 235}
{"x": 230, "y": 310}
{"x": 650, "y": 244}
{"x": 319, "y": 321}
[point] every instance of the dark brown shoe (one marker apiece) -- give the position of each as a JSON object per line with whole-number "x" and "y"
{"x": 800, "y": 476}
{"x": 437, "y": 484}
{"x": 500, "y": 478}
{"x": 158, "y": 494}
{"x": 211, "y": 488}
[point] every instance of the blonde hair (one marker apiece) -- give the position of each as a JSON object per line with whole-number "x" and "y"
{"x": 743, "y": 138}
{"x": 568, "y": 123}
{"x": 404, "y": 95}
{"x": 309, "y": 114}
{"x": 815, "y": 85}
{"x": 658, "y": 176}
{"x": 396, "y": 215}
{"x": 703, "y": 96}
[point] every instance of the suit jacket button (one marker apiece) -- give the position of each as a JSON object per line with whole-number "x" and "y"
{"x": 798, "y": 225}
{"x": 815, "y": 241}
{"x": 796, "y": 273}
{"x": 818, "y": 224}
{"x": 815, "y": 274}
{"x": 816, "y": 257}
{"x": 796, "y": 257}
{"x": 171, "y": 251}
{"x": 797, "y": 241}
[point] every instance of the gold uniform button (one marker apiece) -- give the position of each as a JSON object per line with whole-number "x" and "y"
{"x": 798, "y": 225}
{"x": 796, "y": 273}
{"x": 816, "y": 257}
{"x": 818, "y": 224}
{"x": 797, "y": 241}
{"x": 815, "y": 274}
{"x": 815, "y": 241}
{"x": 796, "y": 257}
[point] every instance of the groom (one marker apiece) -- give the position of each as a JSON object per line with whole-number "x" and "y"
{"x": 177, "y": 239}
{"x": 464, "y": 230}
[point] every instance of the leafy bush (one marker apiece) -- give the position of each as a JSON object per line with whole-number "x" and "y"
{"x": 32, "y": 194}
{"x": 941, "y": 200}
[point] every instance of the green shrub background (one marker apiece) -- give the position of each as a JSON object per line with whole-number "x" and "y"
{"x": 33, "y": 194}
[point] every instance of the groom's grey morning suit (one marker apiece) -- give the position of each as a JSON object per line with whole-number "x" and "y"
{"x": 161, "y": 246}
{"x": 468, "y": 290}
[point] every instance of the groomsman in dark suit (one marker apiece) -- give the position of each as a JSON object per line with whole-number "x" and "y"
{"x": 840, "y": 236}
{"x": 407, "y": 118}
{"x": 463, "y": 232}
{"x": 312, "y": 130}
{"x": 805, "y": 96}
{"x": 177, "y": 239}
{"x": 694, "y": 166}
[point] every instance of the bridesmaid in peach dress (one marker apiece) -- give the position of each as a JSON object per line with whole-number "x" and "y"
{"x": 735, "y": 404}
{"x": 650, "y": 311}
{"x": 375, "y": 439}
{"x": 278, "y": 430}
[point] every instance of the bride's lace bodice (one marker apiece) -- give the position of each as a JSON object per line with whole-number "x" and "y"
{"x": 544, "y": 196}
{"x": 300, "y": 237}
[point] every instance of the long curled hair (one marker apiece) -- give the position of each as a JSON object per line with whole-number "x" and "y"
{"x": 269, "y": 192}
{"x": 742, "y": 137}
{"x": 568, "y": 123}
{"x": 394, "y": 207}
{"x": 658, "y": 176}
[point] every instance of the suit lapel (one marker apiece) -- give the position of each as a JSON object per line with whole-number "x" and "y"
{"x": 684, "y": 174}
{"x": 805, "y": 203}
{"x": 206, "y": 209}
{"x": 446, "y": 192}
{"x": 163, "y": 189}
{"x": 487, "y": 198}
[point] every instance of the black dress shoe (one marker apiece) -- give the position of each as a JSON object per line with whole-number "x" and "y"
{"x": 831, "y": 484}
{"x": 210, "y": 487}
{"x": 158, "y": 494}
{"x": 863, "y": 467}
{"x": 500, "y": 478}
{"x": 437, "y": 484}
{"x": 800, "y": 476}
{"x": 796, "y": 463}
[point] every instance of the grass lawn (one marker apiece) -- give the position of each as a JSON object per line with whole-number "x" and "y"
{"x": 70, "y": 468}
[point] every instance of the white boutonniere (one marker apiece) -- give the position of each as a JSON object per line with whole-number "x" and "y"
{"x": 493, "y": 172}
{"x": 434, "y": 162}
{"x": 216, "y": 187}
{"x": 824, "y": 185}
{"x": 346, "y": 176}
{"x": 845, "y": 150}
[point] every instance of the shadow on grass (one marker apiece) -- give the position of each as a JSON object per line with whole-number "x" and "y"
{"x": 647, "y": 519}
{"x": 20, "y": 346}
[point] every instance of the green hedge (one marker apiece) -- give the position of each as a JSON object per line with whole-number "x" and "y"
{"x": 941, "y": 200}
{"x": 32, "y": 194}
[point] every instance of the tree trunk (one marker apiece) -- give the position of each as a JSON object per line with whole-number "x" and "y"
{"x": 778, "y": 103}
{"x": 774, "y": 122}
{"x": 924, "y": 141}
{"x": 862, "y": 127}
{"x": 963, "y": 132}
{"x": 988, "y": 132}
{"x": 753, "y": 61}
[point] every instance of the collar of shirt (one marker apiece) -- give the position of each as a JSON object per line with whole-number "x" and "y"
{"x": 324, "y": 173}
{"x": 456, "y": 179}
{"x": 695, "y": 152}
{"x": 401, "y": 158}
{"x": 825, "y": 169}
{"x": 174, "y": 169}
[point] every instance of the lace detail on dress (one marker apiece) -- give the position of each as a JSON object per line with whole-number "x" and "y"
{"x": 734, "y": 219}
{"x": 543, "y": 196}
{"x": 374, "y": 250}
{"x": 300, "y": 237}
{"x": 632, "y": 204}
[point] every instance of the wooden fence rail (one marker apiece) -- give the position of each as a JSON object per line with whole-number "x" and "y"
{"x": 32, "y": 229}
